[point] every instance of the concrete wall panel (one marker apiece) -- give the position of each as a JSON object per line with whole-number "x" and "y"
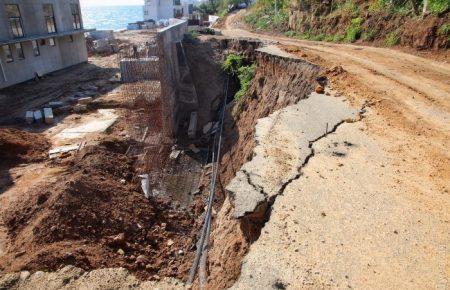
{"x": 166, "y": 40}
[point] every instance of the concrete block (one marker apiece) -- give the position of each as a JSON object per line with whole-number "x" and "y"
{"x": 56, "y": 104}
{"x": 48, "y": 116}
{"x": 85, "y": 101}
{"x": 192, "y": 130}
{"x": 29, "y": 117}
{"x": 37, "y": 116}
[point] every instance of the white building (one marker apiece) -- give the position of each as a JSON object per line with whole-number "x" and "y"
{"x": 166, "y": 9}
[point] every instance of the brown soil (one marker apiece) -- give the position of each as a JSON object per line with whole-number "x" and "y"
{"x": 18, "y": 146}
{"x": 277, "y": 83}
{"x": 93, "y": 213}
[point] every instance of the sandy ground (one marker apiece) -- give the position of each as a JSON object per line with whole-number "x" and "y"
{"x": 376, "y": 216}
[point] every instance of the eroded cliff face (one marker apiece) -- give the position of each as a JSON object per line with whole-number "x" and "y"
{"x": 278, "y": 82}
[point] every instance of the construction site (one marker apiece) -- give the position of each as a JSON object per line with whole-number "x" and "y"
{"x": 331, "y": 172}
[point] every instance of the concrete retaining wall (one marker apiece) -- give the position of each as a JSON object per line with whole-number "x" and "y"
{"x": 133, "y": 70}
{"x": 169, "y": 70}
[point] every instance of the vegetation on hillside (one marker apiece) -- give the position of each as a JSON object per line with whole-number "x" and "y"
{"x": 348, "y": 20}
{"x": 235, "y": 67}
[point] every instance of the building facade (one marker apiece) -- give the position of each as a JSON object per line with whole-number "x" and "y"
{"x": 38, "y": 37}
{"x": 166, "y": 9}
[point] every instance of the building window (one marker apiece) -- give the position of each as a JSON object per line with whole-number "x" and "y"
{"x": 51, "y": 41}
{"x": 36, "y": 50}
{"x": 176, "y": 2}
{"x": 177, "y": 13}
{"x": 49, "y": 18}
{"x": 8, "y": 53}
{"x": 15, "y": 20}
{"x": 19, "y": 50}
{"x": 76, "y": 19}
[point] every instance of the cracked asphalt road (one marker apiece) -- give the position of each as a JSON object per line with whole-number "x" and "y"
{"x": 371, "y": 208}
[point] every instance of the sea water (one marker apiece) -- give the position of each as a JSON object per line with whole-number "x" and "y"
{"x": 111, "y": 17}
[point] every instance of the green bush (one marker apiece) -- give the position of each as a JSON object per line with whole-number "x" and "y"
{"x": 245, "y": 76}
{"x": 290, "y": 33}
{"x": 329, "y": 38}
{"x": 444, "y": 29}
{"x": 439, "y": 6}
{"x": 338, "y": 38}
{"x": 369, "y": 35}
{"x": 232, "y": 64}
{"x": 354, "y": 30}
{"x": 318, "y": 37}
{"x": 392, "y": 39}
{"x": 349, "y": 7}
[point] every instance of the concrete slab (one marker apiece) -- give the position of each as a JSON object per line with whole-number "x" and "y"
{"x": 105, "y": 119}
{"x": 347, "y": 223}
{"x": 53, "y": 153}
{"x": 283, "y": 140}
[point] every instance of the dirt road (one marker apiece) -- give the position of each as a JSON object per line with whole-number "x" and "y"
{"x": 374, "y": 214}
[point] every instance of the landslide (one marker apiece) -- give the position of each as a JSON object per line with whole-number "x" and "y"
{"x": 93, "y": 217}
{"x": 278, "y": 82}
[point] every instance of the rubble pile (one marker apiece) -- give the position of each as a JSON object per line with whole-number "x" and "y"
{"x": 95, "y": 216}
{"x": 18, "y": 146}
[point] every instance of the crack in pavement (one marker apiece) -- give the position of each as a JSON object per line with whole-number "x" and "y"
{"x": 284, "y": 149}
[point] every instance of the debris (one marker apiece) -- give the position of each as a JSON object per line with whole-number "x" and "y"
{"x": 145, "y": 134}
{"x": 85, "y": 100}
{"x": 55, "y": 104}
{"x": 120, "y": 252}
{"x": 170, "y": 242}
{"x": 207, "y": 128}
{"x": 48, "y": 116}
{"x": 24, "y": 275}
{"x": 62, "y": 149}
{"x": 29, "y": 117}
{"x": 80, "y": 108}
{"x": 337, "y": 70}
{"x": 115, "y": 79}
{"x": 320, "y": 89}
{"x": 123, "y": 181}
{"x": 141, "y": 259}
{"x": 63, "y": 109}
{"x": 194, "y": 149}
{"x": 192, "y": 130}
{"x": 145, "y": 184}
{"x": 38, "y": 116}
{"x": 174, "y": 154}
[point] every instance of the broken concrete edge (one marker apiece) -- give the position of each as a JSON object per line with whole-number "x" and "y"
{"x": 248, "y": 195}
{"x": 274, "y": 51}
